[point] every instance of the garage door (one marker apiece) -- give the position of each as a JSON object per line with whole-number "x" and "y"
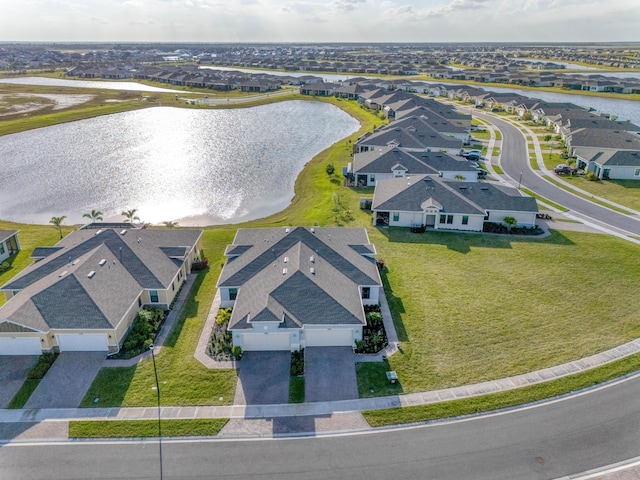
{"x": 82, "y": 342}
{"x": 20, "y": 346}
{"x": 324, "y": 337}
{"x": 265, "y": 341}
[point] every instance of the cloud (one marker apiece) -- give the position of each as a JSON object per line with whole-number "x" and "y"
{"x": 346, "y": 5}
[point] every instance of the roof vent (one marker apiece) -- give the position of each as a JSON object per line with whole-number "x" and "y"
{"x": 63, "y": 274}
{"x": 91, "y": 274}
{"x": 123, "y": 231}
{"x": 312, "y": 270}
{"x": 99, "y": 231}
{"x": 312, "y": 259}
{"x": 284, "y": 271}
{"x": 102, "y": 262}
{"x": 286, "y": 259}
{"x": 287, "y": 230}
{"x": 313, "y": 230}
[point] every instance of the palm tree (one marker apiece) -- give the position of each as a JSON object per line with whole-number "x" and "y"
{"x": 131, "y": 215}
{"x": 460, "y": 178}
{"x": 170, "y": 224}
{"x": 94, "y": 215}
{"x": 57, "y": 222}
{"x": 510, "y": 222}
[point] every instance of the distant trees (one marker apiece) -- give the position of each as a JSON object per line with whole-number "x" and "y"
{"x": 170, "y": 224}
{"x": 130, "y": 215}
{"x": 57, "y": 222}
{"x": 93, "y": 215}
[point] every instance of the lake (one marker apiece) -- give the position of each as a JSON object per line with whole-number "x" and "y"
{"x": 199, "y": 167}
{"x": 624, "y": 109}
{"x": 106, "y": 85}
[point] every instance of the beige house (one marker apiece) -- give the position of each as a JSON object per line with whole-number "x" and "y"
{"x": 83, "y": 293}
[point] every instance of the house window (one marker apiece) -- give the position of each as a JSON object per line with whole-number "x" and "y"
{"x": 396, "y": 216}
{"x": 366, "y": 293}
{"x": 153, "y": 295}
{"x": 1, "y": 248}
{"x": 173, "y": 287}
{"x": 443, "y": 218}
{"x": 372, "y": 178}
{"x": 233, "y": 293}
{"x": 139, "y": 302}
{"x": 465, "y": 219}
{"x": 449, "y": 219}
{"x": 637, "y": 172}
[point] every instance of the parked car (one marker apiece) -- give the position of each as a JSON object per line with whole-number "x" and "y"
{"x": 482, "y": 174}
{"x": 562, "y": 169}
{"x": 475, "y": 153}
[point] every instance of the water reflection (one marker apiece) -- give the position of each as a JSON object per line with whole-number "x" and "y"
{"x": 195, "y": 166}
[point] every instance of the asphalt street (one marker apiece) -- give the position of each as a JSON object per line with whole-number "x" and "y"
{"x": 547, "y": 441}
{"x": 514, "y": 161}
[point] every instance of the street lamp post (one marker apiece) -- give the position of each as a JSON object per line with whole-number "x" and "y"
{"x": 158, "y": 395}
{"x": 519, "y": 183}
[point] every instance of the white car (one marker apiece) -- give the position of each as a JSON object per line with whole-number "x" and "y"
{"x": 472, "y": 153}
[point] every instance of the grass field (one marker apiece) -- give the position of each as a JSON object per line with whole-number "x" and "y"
{"x": 624, "y": 192}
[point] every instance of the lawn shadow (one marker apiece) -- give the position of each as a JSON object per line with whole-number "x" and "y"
{"x": 633, "y": 184}
{"x": 395, "y": 306}
{"x": 462, "y": 242}
{"x": 189, "y": 309}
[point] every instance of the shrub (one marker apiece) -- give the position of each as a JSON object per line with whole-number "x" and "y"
{"x": 142, "y": 332}
{"x": 330, "y": 169}
{"x": 42, "y": 366}
{"x": 224, "y": 315}
{"x": 4, "y": 266}
{"x": 236, "y": 351}
{"x": 297, "y": 363}
{"x": 592, "y": 177}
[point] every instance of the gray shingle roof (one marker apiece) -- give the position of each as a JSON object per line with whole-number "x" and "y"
{"x": 42, "y": 252}
{"x": 66, "y": 304}
{"x": 300, "y": 275}
{"x": 6, "y": 234}
{"x": 408, "y": 194}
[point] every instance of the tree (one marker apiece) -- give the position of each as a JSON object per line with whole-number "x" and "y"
{"x": 510, "y": 222}
{"x": 57, "y": 222}
{"x": 94, "y": 215}
{"x": 130, "y": 215}
{"x": 170, "y": 224}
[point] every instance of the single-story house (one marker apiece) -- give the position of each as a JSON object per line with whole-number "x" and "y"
{"x": 298, "y": 287}
{"x": 83, "y": 293}
{"x": 389, "y": 162}
{"x": 440, "y": 204}
{"x": 610, "y": 163}
{"x": 9, "y": 243}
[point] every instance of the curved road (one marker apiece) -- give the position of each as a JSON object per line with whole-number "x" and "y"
{"x": 514, "y": 159}
{"x": 547, "y": 441}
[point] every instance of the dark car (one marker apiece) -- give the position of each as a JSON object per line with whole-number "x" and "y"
{"x": 562, "y": 169}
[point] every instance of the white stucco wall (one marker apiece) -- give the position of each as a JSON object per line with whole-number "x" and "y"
{"x": 622, "y": 173}
{"x": 524, "y": 219}
{"x": 474, "y": 225}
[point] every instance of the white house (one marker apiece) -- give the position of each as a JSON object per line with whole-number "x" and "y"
{"x": 9, "y": 243}
{"x": 83, "y": 293}
{"x": 296, "y": 287}
{"x": 439, "y": 204}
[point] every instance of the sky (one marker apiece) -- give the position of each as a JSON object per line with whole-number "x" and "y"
{"x": 320, "y": 20}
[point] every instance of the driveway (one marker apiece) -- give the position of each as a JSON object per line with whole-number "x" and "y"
{"x": 330, "y": 374}
{"x": 263, "y": 378}
{"x": 67, "y": 381}
{"x": 13, "y": 373}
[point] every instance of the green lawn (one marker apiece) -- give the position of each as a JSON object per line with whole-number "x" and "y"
{"x": 203, "y": 427}
{"x": 296, "y": 390}
{"x": 474, "y": 307}
{"x": 624, "y": 192}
